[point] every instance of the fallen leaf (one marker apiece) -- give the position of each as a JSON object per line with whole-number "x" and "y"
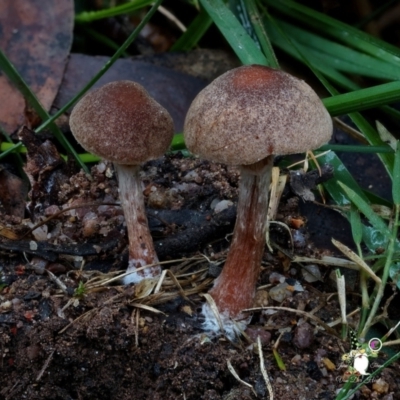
{"x": 36, "y": 36}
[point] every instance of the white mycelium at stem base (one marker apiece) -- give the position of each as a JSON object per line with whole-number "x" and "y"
{"x": 243, "y": 118}
{"x": 122, "y": 123}
{"x": 141, "y": 249}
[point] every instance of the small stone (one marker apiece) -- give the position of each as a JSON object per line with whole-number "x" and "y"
{"x": 303, "y": 336}
{"x": 51, "y": 210}
{"x": 311, "y": 273}
{"x": 90, "y": 224}
{"x": 296, "y": 360}
{"x": 56, "y": 268}
{"x": 380, "y": 386}
{"x": 38, "y": 265}
{"x": 6, "y": 305}
{"x": 40, "y": 233}
{"x": 222, "y": 205}
{"x": 101, "y": 167}
{"x": 281, "y": 292}
{"x": 254, "y": 333}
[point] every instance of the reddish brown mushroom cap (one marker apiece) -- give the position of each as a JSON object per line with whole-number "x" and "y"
{"x": 121, "y": 123}
{"x": 254, "y": 111}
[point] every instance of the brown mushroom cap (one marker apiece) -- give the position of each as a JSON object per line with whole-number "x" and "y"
{"x": 122, "y": 123}
{"x": 253, "y": 111}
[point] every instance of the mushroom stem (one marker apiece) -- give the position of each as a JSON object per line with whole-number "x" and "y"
{"x": 234, "y": 289}
{"x": 141, "y": 247}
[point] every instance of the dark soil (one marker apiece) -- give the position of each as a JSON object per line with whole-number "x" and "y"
{"x": 65, "y": 334}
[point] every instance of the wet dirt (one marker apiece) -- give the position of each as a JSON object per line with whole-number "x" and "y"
{"x": 66, "y": 333}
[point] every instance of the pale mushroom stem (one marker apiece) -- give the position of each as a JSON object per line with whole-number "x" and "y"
{"x": 141, "y": 247}
{"x": 234, "y": 289}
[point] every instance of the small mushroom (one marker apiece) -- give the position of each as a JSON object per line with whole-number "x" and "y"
{"x": 122, "y": 123}
{"x": 244, "y": 118}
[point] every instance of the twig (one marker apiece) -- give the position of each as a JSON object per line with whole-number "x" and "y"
{"x": 313, "y": 317}
{"x": 234, "y": 373}
{"x": 45, "y": 365}
{"x": 60, "y": 284}
{"x": 263, "y": 369}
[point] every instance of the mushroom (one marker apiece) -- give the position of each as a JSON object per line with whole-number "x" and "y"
{"x": 122, "y": 123}
{"x": 244, "y": 118}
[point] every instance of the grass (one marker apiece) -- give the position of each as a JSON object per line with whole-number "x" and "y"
{"x": 335, "y": 53}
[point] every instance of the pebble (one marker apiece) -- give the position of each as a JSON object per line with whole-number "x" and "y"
{"x": 38, "y": 265}
{"x": 296, "y": 360}
{"x": 311, "y": 273}
{"x": 222, "y": 205}
{"x": 51, "y": 210}
{"x": 280, "y": 292}
{"x": 6, "y": 305}
{"x": 380, "y": 386}
{"x": 254, "y": 333}
{"x": 303, "y": 336}
{"x": 90, "y": 224}
{"x": 56, "y": 268}
{"x": 40, "y": 233}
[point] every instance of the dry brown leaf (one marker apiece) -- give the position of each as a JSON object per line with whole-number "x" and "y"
{"x": 36, "y": 35}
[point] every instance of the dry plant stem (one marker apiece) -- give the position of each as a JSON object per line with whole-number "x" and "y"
{"x": 234, "y": 289}
{"x": 141, "y": 247}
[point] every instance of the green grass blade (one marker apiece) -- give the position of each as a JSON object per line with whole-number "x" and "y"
{"x": 126, "y": 8}
{"x": 11, "y": 144}
{"x": 194, "y": 32}
{"x": 375, "y": 199}
{"x": 237, "y": 37}
{"x": 340, "y": 31}
{"x": 284, "y": 43}
{"x": 340, "y": 174}
{"x": 8, "y": 148}
{"x": 372, "y": 135}
{"x": 396, "y": 176}
{"x": 103, "y": 39}
{"x": 349, "y": 148}
{"x": 376, "y": 221}
{"x": 178, "y": 142}
{"x": 356, "y": 226}
{"x": 13, "y": 75}
{"x": 372, "y": 237}
{"x": 370, "y": 378}
{"x": 363, "y": 99}
{"x": 262, "y": 36}
{"x": 105, "y": 67}
{"x": 341, "y": 57}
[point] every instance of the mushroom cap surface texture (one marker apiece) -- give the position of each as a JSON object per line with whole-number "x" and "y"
{"x": 253, "y": 111}
{"x": 122, "y": 123}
